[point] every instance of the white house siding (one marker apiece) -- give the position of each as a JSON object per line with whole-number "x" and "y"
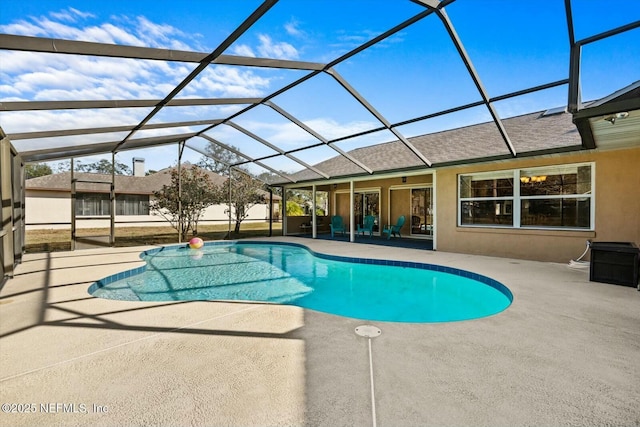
{"x": 52, "y": 210}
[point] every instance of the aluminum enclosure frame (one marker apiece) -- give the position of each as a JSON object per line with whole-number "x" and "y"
{"x": 313, "y": 69}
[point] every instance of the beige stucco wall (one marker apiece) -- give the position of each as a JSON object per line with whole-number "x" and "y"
{"x": 617, "y": 210}
{"x": 47, "y": 207}
{"x": 617, "y": 207}
{"x": 52, "y": 210}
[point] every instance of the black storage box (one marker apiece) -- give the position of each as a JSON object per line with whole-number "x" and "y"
{"x": 614, "y": 262}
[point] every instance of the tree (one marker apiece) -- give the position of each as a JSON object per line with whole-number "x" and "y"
{"x": 220, "y": 158}
{"x": 197, "y": 193}
{"x": 246, "y": 192}
{"x": 297, "y": 201}
{"x": 103, "y": 166}
{"x": 294, "y": 209}
{"x": 34, "y": 170}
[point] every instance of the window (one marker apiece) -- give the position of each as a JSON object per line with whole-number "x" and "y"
{"x": 547, "y": 197}
{"x": 98, "y": 204}
{"x": 92, "y": 204}
{"x": 487, "y": 199}
{"x": 556, "y": 197}
{"x": 132, "y": 204}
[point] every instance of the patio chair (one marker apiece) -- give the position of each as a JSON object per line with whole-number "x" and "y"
{"x": 394, "y": 229}
{"x": 336, "y": 225}
{"x": 367, "y": 225}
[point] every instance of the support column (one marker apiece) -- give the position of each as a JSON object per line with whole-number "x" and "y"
{"x": 180, "y": 217}
{"x": 7, "y": 256}
{"x": 284, "y": 211}
{"x": 230, "y": 197}
{"x": 434, "y": 210}
{"x": 112, "y": 198}
{"x": 352, "y": 212}
{"x": 314, "y": 232}
{"x": 73, "y": 209}
{"x": 270, "y": 211}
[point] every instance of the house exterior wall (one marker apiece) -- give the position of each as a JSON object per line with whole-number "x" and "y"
{"x": 400, "y": 206}
{"x": 52, "y": 207}
{"x": 342, "y": 208}
{"x": 617, "y": 210}
{"x": 616, "y": 199}
{"x": 52, "y": 210}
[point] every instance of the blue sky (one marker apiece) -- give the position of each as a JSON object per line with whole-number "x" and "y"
{"x": 513, "y": 45}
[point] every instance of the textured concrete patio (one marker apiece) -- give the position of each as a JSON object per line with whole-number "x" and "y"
{"x": 567, "y": 352}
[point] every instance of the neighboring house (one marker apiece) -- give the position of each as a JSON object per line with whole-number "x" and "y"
{"x": 544, "y": 204}
{"x": 48, "y": 201}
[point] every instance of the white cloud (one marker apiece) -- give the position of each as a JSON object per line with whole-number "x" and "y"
{"x": 22, "y": 28}
{"x": 287, "y": 135}
{"x": 50, "y": 77}
{"x": 160, "y": 35}
{"x": 292, "y": 28}
{"x": 331, "y": 129}
{"x": 25, "y": 121}
{"x": 121, "y": 36}
{"x": 269, "y": 49}
{"x": 243, "y": 50}
{"x": 9, "y": 90}
{"x": 224, "y": 81}
{"x": 71, "y": 15}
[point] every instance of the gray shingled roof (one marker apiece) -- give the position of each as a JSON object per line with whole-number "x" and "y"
{"x": 529, "y": 133}
{"x": 125, "y": 184}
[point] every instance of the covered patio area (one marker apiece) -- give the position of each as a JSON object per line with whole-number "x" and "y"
{"x": 393, "y": 242}
{"x": 564, "y": 353}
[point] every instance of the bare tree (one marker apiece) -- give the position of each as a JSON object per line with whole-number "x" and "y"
{"x": 246, "y": 192}
{"x": 103, "y": 166}
{"x": 183, "y": 209}
{"x": 218, "y": 158}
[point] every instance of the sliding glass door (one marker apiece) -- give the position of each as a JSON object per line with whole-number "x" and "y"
{"x": 422, "y": 211}
{"x": 367, "y": 203}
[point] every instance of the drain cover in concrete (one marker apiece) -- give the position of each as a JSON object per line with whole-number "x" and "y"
{"x": 368, "y": 331}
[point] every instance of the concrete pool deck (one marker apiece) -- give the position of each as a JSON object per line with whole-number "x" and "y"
{"x": 567, "y": 352}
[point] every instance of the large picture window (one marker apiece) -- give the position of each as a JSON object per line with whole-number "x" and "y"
{"x": 547, "y": 197}
{"x": 487, "y": 199}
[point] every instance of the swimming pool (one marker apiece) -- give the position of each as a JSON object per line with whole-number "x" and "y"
{"x": 288, "y": 273}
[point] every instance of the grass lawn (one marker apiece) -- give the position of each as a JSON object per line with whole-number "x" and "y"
{"x": 60, "y": 240}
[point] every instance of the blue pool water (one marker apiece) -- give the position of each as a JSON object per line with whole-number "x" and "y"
{"x": 292, "y": 274}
